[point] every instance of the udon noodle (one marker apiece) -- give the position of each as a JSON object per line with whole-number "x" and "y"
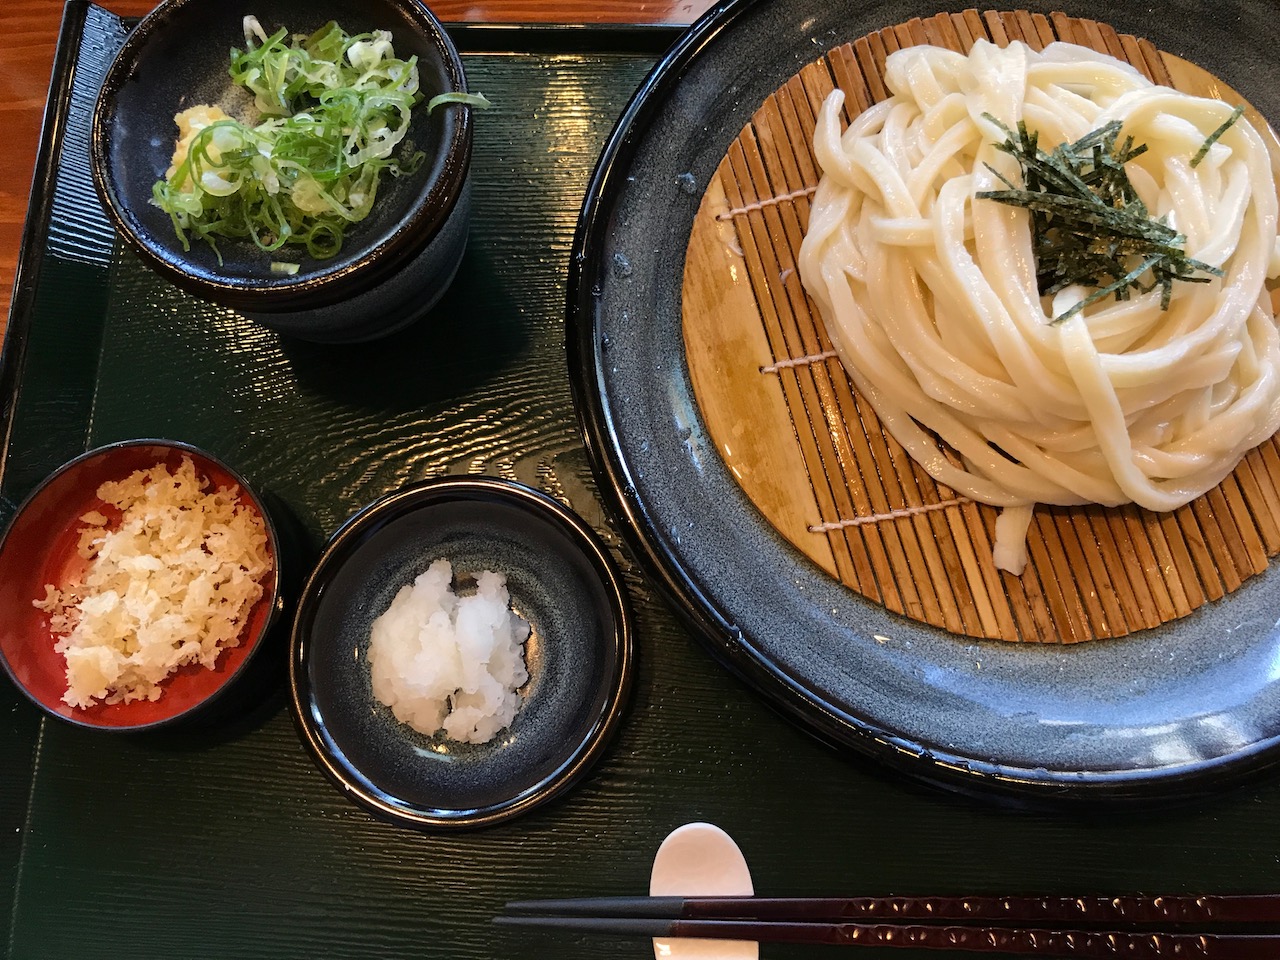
{"x": 930, "y": 295}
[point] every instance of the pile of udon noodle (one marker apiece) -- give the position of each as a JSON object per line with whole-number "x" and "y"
{"x": 930, "y": 295}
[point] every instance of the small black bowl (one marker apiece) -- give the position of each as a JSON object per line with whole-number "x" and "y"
{"x": 392, "y": 266}
{"x": 560, "y": 579}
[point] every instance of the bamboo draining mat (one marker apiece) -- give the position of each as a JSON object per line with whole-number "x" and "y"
{"x": 809, "y": 451}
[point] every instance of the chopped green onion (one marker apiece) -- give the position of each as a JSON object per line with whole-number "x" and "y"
{"x": 470, "y": 99}
{"x": 288, "y": 269}
{"x": 1089, "y": 227}
{"x": 336, "y": 110}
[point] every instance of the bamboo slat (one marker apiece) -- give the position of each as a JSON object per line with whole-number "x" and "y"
{"x": 1093, "y": 572}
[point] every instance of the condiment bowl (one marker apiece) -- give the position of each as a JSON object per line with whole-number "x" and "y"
{"x": 560, "y": 578}
{"x": 39, "y": 547}
{"x": 392, "y": 266}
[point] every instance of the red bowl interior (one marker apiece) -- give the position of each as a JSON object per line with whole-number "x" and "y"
{"x": 40, "y": 548}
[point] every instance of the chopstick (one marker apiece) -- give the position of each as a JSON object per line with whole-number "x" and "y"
{"x": 975, "y": 939}
{"x": 1178, "y": 909}
{"x": 1029, "y": 926}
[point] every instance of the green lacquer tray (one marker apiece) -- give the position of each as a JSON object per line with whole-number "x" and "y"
{"x": 233, "y": 844}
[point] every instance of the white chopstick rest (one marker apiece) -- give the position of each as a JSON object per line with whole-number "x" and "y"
{"x": 700, "y": 859}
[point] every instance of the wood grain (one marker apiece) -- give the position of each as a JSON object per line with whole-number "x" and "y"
{"x": 812, "y": 455}
{"x": 30, "y": 31}
{"x": 229, "y": 844}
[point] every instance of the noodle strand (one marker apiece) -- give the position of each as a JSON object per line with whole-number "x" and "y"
{"x": 930, "y": 296}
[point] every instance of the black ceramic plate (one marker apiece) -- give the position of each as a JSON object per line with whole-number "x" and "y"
{"x": 560, "y": 579}
{"x": 1166, "y": 712}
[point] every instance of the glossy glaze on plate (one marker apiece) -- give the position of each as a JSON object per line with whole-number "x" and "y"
{"x": 560, "y": 579}
{"x": 818, "y": 462}
{"x": 1165, "y": 711}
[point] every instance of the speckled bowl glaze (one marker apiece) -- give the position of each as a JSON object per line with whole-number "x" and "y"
{"x": 392, "y": 267}
{"x": 40, "y": 543}
{"x": 1170, "y": 712}
{"x": 560, "y": 579}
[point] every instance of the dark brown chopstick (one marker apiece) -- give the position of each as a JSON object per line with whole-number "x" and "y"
{"x": 1137, "y": 910}
{"x": 1132, "y": 945}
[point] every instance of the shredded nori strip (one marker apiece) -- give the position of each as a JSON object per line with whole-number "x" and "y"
{"x": 1088, "y": 224}
{"x": 1210, "y": 140}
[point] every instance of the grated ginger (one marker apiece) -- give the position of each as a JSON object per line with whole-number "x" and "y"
{"x": 171, "y": 584}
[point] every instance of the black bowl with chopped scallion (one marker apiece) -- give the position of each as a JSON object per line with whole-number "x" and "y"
{"x": 326, "y": 196}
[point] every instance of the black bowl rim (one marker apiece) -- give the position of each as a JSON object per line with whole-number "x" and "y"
{"x": 698, "y": 609}
{"x": 274, "y": 294}
{"x": 584, "y": 753}
{"x": 273, "y": 589}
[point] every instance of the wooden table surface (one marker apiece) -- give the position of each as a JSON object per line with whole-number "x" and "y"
{"x": 30, "y": 32}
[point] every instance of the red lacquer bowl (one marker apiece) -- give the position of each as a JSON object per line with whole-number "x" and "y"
{"x": 39, "y": 547}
